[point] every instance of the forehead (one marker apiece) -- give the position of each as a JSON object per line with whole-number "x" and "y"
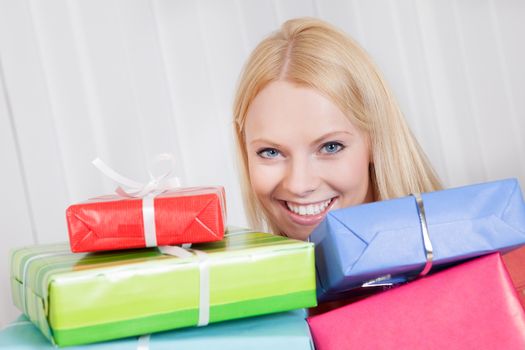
{"x": 285, "y": 111}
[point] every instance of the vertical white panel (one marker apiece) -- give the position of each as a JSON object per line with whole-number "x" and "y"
{"x": 183, "y": 58}
{"x": 69, "y": 96}
{"x": 509, "y": 31}
{"x": 203, "y": 65}
{"x": 28, "y": 91}
{"x": 126, "y": 132}
{"x": 390, "y": 40}
{"x": 258, "y": 19}
{"x": 418, "y": 103}
{"x": 15, "y": 211}
{"x": 448, "y": 82}
{"x": 343, "y": 14}
{"x": 149, "y": 86}
{"x": 115, "y": 118}
{"x": 487, "y": 84}
{"x": 287, "y": 9}
{"x": 509, "y": 23}
{"x": 223, "y": 53}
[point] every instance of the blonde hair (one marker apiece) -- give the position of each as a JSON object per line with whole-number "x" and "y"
{"x": 313, "y": 53}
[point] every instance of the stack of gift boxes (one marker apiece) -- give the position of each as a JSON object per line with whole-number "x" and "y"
{"x": 161, "y": 270}
{"x": 446, "y": 246}
{"x": 159, "y": 262}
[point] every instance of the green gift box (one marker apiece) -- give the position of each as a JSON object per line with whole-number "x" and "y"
{"x": 84, "y": 298}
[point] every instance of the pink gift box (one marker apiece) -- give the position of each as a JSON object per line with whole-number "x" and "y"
{"x": 515, "y": 264}
{"x": 470, "y": 306}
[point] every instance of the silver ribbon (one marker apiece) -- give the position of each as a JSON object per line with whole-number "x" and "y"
{"x": 378, "y": 282}
{"x": 147, "y": 191}
{"x": 427, "y": 244}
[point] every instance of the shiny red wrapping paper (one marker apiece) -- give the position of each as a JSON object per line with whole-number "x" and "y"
{"x": 188, "y": 215}
{"x": 515, "y": 263}
{"x": 470, "y": 306}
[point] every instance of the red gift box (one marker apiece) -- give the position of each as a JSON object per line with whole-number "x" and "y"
{"x": 470, "y": 306}
{"x": 189, "y": 215}
{"x": 515, "y": 264}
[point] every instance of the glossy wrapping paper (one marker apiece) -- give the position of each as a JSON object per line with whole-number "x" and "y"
{"x": 515, "y": 264}
{"x": 84, "y": 298}
{"x": 384, "y": 241}
{"x": 470, "y": 306}
{"x": 281, "y": 331}
{"x": 187, "y": 215}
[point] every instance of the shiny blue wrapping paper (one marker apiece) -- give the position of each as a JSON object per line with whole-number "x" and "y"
{"x": 382, "y": 241}
{"x": 287, "y": 330}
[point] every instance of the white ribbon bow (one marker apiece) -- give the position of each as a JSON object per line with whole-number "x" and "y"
{"x": 137, "y": 189}
{"x": 147, "y": 191}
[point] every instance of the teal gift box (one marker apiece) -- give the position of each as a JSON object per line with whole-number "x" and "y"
{"x": 287, "y": 330}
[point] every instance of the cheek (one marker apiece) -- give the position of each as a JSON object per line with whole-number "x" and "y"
{"x": 352, "y": 173}
{"x": 263, "y": 179}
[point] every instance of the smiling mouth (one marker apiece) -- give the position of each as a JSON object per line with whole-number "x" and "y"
{"x": 308, "y": 209}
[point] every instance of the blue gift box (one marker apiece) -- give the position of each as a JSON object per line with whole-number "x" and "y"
{"x": 383, "y": 242}
{"x": 287, "y": 330}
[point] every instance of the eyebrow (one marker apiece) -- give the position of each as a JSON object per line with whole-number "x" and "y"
{"x": 263, "y": 140}
{"x": 319, "y": 139}
{"x": 331, "y": 135}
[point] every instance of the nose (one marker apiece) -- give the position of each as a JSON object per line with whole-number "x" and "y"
{"x": 301, "y": 177}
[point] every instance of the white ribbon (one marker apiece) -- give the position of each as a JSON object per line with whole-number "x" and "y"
{"x": 147, "y": 191}
{"x": 148, "y": 217}
{"x": 204, "y": 288}
{"x": 143, "y": 343}
{"x": 204, "y": 278}
{"x": 16, "y": 324}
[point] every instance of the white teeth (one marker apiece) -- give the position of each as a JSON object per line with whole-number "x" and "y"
{"x": 310, "y": 209}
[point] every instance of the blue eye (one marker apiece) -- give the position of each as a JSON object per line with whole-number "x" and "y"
{"x": 331, "y": 147}
{"x": 268, "y": 153}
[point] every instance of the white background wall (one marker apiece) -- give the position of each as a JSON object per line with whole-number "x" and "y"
{"x": 127, "y": 79}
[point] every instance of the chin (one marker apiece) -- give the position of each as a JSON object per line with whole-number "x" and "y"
{"x": 300, "y": 235}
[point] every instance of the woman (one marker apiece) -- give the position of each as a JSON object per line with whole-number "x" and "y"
{"x": 317, "y": 129}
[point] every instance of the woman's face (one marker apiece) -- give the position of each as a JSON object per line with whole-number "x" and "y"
{"x": 304, "y": 156}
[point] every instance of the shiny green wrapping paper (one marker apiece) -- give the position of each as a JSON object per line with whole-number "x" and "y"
{"x": 84, "y": 298}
